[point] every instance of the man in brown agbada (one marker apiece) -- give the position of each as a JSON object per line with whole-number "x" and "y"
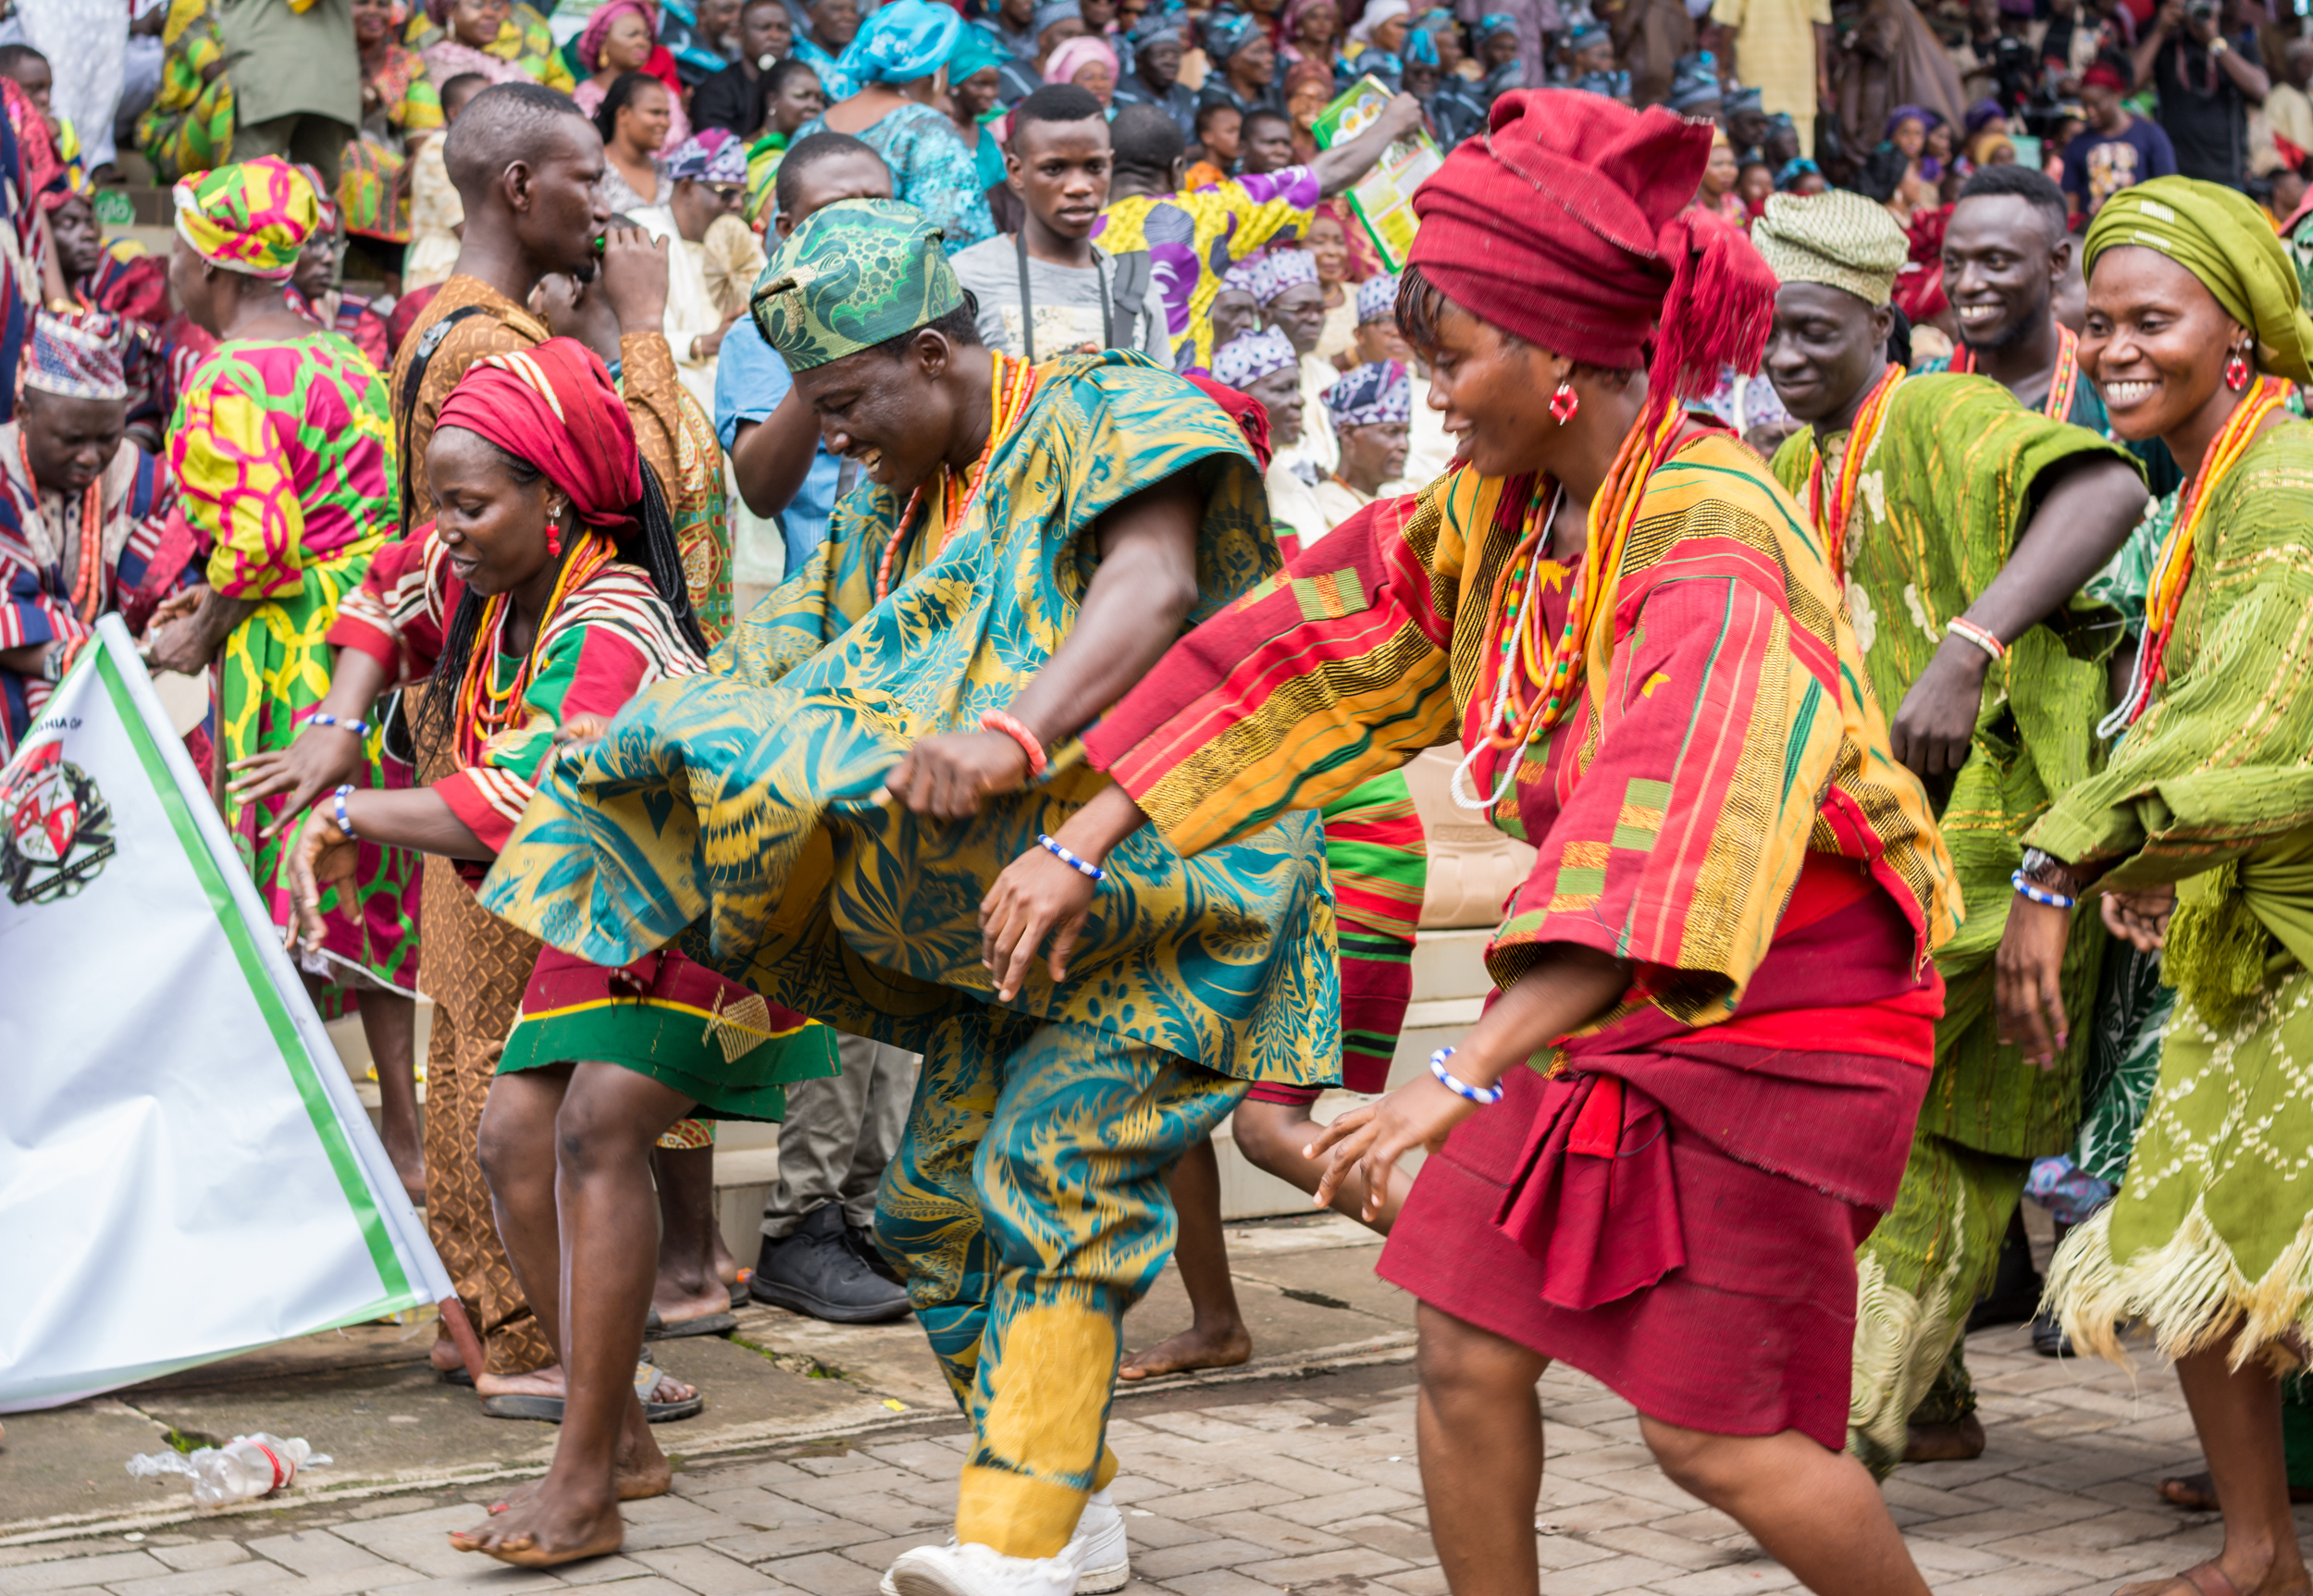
{"x": 527, "y": 167}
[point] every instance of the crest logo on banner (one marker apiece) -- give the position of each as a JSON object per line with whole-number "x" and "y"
{"x": 56, "y": 828}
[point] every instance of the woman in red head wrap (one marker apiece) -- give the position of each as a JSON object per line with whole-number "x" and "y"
{"x": 545, "y": 594}
{"x": 1717, "y": 969}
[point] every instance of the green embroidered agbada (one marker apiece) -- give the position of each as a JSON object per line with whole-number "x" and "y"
{"x": 1954, "y": 474}
{"x": 2213, "y": 1228}
{"x": 739, "y": 813}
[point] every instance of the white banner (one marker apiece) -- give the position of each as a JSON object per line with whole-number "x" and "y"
{"x": 185, "y": 1169}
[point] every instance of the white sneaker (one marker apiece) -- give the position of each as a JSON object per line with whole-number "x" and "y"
{"x": 976, "y": 1570}
{"x": 1099, "y": 1545}
{"x": 885, "y": 1587}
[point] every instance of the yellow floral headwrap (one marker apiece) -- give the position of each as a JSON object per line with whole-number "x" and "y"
{"x": 251, "y": 218}
{"x": 2220, "y": 237}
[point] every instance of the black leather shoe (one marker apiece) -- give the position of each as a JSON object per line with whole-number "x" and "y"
{"x": 818, "y": 1271}
{"x": 2048, "y": 1338}
{"x": 863, "y": 1242}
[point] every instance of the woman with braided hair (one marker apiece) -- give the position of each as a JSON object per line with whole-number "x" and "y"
{"x": 1719, "y": 966}
{"x": 545, "y": 593}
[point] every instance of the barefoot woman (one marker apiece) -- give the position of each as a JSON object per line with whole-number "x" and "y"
{"x": 547, "y": 590}
{"x": 2194, "y": 334}
{"x": 1626, "y": 620}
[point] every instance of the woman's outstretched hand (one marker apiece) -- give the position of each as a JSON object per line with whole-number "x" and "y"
{"x": 318, "y": 761}
{"x": 322, "y": 853}
{"x": 1369, "y": 1139}
{"x": 1037, "y": 897}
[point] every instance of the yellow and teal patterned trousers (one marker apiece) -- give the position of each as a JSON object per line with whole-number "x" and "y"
{"x": 1027, "y": 1211}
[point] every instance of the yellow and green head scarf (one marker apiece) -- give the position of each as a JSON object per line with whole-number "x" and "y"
{"x": 2222, "y": 237}
{"x": 249, "y": 217}
{"x": 853, "y": 275}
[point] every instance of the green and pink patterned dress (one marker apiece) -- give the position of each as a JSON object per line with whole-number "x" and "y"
{"x": 283, "y": 456}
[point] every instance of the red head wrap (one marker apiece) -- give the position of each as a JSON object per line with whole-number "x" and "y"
{"x": 1569, "y": 223}
{"x": 555, "y": 407}
{"x": 2104, "y": 75}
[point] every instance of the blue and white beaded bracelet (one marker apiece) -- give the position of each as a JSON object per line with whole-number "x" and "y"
{"x": 345, "y": 821}
{"x": 1484, "y": 1097}
{"x": 323, "y": 718}
{"x": 1088, "y": 871}
{"x": 2042, "y": 895}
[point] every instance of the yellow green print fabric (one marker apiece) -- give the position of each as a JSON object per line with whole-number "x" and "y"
{"x": 1953, "y": 476}
{"x": 739, "y": 813}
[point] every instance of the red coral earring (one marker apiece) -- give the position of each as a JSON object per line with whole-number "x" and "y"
{"x": 1566, "y": 403}
{"x": 2236, "y": 372}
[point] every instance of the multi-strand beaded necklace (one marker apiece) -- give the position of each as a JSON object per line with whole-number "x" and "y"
{"x": 2173, "y": 568}
{"x": 485, "y": 710}
{"x": 88, "y": 575}
{"x": 1010, "y": 386}
{"x": 1528, "y": 681}
{"x": 1831, "y": 519}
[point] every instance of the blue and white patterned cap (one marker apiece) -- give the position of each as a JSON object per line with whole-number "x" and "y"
{"x": 1248, "y": 277}
{"x": 76, "y": 355}
{"x": 1377, "y": 298}
{"x": 1287, "y": 269}
{"x": 1251, "y": 356}
{"x": 1374, "y": 394}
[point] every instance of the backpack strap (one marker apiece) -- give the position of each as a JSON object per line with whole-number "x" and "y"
{"x": 1129, "y": 294}
{"x": 411, "y": 381}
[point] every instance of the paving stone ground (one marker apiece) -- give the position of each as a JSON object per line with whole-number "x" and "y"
{"x": 1271, "y": 1485}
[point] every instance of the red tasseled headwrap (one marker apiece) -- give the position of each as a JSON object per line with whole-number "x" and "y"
{"x": 1251, "y": 416}
{"x": 556, "y": 407}
{"x": 1569, "y": 225}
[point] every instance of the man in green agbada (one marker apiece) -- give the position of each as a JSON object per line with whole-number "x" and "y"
{"x": 1963, "y": 526}
{"x": 821, "y": 815}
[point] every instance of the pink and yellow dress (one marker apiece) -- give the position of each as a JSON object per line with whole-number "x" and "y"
{"x": 282, "y": 453}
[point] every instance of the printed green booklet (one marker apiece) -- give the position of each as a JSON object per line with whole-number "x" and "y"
{"x": 1383, "y": 202}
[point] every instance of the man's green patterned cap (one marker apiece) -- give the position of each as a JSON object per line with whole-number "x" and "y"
{"x": 853, "y": 274}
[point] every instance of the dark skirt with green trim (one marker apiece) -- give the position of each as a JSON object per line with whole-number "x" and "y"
{"x": 673, "y": 1020}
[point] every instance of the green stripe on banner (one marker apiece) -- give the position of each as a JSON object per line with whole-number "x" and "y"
{"x": 291, "y": 1045}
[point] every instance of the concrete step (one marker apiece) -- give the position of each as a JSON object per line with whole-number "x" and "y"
{"x": 1449, "y": 986}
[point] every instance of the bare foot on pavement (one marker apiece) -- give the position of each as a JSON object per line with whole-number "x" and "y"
{"x": 546, "y": 1526}
{"x": 1191, "y": 1349}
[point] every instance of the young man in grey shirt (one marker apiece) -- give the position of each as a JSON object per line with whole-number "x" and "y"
{"x": 1076, "y": 296}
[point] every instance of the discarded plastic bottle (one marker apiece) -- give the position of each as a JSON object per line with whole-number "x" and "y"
{"x": 246, "y": 1467}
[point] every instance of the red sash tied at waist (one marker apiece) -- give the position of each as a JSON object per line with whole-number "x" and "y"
{"x": 1594, "y": 1198}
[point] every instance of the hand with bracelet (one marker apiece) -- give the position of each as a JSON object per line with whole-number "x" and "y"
{"x": 327, "y": 749}
{"x": 1039, "y": 895}
{"x": 2027, "y": 972}
{"x": 325, "y": 853}
{"x": 1132, "y": 609}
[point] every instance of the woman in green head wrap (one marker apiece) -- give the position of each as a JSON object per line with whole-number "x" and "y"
{"x": 2198, "y": 837}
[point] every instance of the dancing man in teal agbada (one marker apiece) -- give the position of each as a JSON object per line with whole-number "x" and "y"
{"x": 820, "y": 816}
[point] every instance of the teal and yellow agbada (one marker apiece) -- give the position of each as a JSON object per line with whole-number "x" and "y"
{"x": 740, "y": 814}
